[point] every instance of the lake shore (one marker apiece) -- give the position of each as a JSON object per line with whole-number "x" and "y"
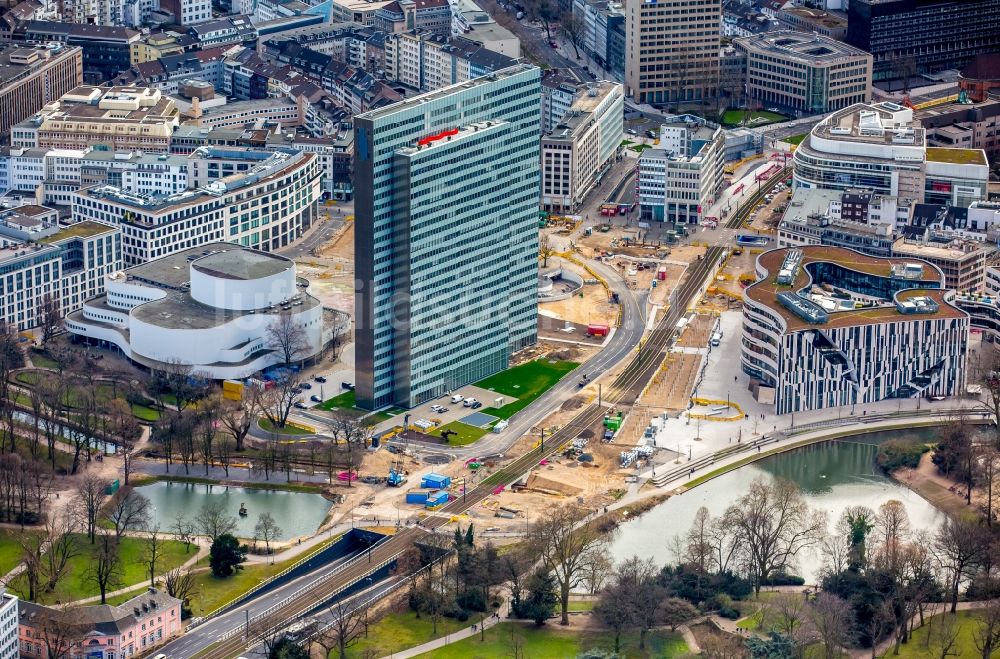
{"x": 942, "y": 492}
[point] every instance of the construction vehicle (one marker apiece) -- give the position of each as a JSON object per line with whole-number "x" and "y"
{"x": 397, "y": 473}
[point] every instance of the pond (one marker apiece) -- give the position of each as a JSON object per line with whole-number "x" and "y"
{"x": 833, "y": 476}
{"x": 297, "y": 513}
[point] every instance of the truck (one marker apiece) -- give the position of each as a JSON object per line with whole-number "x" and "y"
{"x": 598, "y": 330}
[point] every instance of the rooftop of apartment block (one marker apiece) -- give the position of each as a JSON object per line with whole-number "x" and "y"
{"x": 444, "y": 92}
{"x": 878, "y": 123}
{"x": 19, "y": 61}
{"x": 815, "y": 49}
{"x": 915, "y": 303}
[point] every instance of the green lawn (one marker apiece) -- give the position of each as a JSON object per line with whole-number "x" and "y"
{"x": 344, "y": 401}
{"x": 795, "y": 139}
{"x": 582, "y": 605}
{"x": 104, "y": 391}
{"x": 289, "y": 428}
{"x": 42, "y": 360}
{"x": 551, "y": 642}
{"x": 466, "y": 433}
{"x": 77, "y": 584}
{"x": 10, "y": 550}
{"x": 639, "y": 148}
{"x": 735, "y": 117}
{"x": 144, "y": 412}
{"x": 213, "y": 592}
{"x": 525, "y": 382}
{"x": 964, "y": 647}
{"x": 401, "y": 631}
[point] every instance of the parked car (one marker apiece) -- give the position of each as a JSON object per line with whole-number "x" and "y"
{"x": 305, "y": 385}
{"x": 316, "y": 399}
{"x": 300, "y": 405}
{"x": 651, "y": 134}
{"x": 476, "y": 405}
{"x": 457, "y": 398}
{"x": 468, "y": 402}
{"x": 347, "y": 385}
{"x": 436, "y": 408}
{"x": 319, "y": 378}
{"x": 631, "y": 131}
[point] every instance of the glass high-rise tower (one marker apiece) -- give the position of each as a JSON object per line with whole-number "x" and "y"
{"x": 446, "y": 237}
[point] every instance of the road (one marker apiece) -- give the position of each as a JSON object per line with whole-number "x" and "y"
{"x": 321, "y": 231}
{"x": 209, "y": 632}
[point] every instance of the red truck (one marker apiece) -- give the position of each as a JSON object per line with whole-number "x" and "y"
{"x": 598, "y": 330}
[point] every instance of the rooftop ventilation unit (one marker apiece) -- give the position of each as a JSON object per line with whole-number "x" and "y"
{"x": 790, "y": 267}
{"x": 915, "y": 305}
{"x": 803, "y": 308}
{"x": 907, "y": 271}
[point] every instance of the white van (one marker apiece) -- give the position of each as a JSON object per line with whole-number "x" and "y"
{"x": 716, "y": 340}
{"x": 457, "y": 398}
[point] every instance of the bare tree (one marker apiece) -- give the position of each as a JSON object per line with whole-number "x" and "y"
{"x": 646, "y": 599}
{"x": 833, "y": 619}
{"x": 106, "y": 565}
{"x": 286, "y": 337}
{"x": 49, "y": 317}
{"x": 277, "y": 402}
{"x": 958, "y": 546}
{"x": 572, "y": 27}
{"x": 942, "y": 636}
{"x": 347, "y": 625}
{"x": 183, "y": 528}
{"x": 125, "y": 431}
{"x": 986, "y": 635}
{"x": 789, "y": 610}
{"x": 180, "y": 584}
{"x": 563, "y": 542}
{"x": 60, "y": 535}
{"x": 209, "y": 412}
{"x": 53, "y": 392}
{"x": 127, "y": 511}
{"x": 89, "y": 495}
{"x": 774, "y": 524}
{"x": 237, "y": 416}
{"x": 544, "y": 11}
{"x": 615, "y": 610}
{"x": 32, "y": 547}
{"x": 891, "y": 531}
{"x": 224, "y": 452}
{"x": 58, "y": 631}
{"x": 597, "y": 567}
{"x": 880, "y": 621}
{"x": 267, "y": 529}
{"x": 545, "y": 249}
{"x": 213, "y": 520}
{"x": 152, "y": 551}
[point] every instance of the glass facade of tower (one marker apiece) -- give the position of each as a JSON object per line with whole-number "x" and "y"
{"x": 446, "y": 237}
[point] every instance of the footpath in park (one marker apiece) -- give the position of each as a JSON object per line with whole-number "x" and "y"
{"x": 466, "y": 632}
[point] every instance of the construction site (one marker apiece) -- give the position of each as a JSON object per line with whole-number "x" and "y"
{"x": 597, "y": 466}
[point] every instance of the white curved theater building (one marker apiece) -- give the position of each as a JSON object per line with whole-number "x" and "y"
{"x": 208, "y": 307}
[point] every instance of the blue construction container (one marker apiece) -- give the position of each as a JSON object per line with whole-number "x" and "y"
{"x": 437, "y": 499}
{"x": 419, "y": 496}
{"x": 435, "y": 481}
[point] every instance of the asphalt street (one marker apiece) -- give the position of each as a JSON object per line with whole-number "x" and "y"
{"x": 207, "y": 633}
